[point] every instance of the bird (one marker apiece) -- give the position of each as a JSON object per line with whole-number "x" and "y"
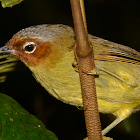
{"x": 48, "y": 51}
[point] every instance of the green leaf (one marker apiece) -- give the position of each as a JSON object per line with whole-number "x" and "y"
{"x": 17, "y": 124}
{"x": 10, "y": 3}
{"x": 7, "y": 64}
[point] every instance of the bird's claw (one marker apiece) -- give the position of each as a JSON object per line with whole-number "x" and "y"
{"x": 75, "y": 66}
{"x": 94, "y": 72}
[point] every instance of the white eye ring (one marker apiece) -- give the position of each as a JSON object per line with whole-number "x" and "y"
{"x": 29, "y": 47}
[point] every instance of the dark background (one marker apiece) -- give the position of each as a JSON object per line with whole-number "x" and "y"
{"x": 117, "y": 21}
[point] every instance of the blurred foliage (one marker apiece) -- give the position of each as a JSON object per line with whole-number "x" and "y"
{"x": 116, "y": 20}
{"x": 7, "y": 64}
{"x": 17, "y": 124}
{"x": 9, "y": 3}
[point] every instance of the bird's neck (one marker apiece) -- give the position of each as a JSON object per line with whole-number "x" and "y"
{"x": 60, "y": 79}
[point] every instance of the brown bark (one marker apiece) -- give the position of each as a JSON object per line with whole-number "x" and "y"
{"x": 85, "y": 60}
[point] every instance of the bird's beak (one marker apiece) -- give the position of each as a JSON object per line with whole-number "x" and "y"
{"x": 5, "y": 50}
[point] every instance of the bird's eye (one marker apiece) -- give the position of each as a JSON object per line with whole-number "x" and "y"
{"x": 29, "y": 47}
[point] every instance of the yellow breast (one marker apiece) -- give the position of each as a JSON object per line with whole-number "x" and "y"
{"x": 118, "y": 91}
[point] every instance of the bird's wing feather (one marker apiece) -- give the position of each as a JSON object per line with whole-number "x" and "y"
{"x": 109, "y": 51}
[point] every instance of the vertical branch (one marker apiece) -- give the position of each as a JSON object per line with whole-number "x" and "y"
{"x": 85, "y": 60}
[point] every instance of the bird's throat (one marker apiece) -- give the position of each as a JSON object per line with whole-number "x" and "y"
{"x": 61, "y": 81}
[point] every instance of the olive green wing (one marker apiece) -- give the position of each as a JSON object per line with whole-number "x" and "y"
{"x": 108, "y": 51}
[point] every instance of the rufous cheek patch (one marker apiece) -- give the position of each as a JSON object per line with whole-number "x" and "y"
{"x": 39, "y": 55}
{"x": 32, "y": 59}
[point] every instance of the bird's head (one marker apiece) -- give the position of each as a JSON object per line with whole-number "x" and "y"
{"x": 36, "y": 44}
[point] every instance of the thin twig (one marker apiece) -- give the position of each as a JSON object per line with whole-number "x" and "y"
{"x": 83, "y": 14}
